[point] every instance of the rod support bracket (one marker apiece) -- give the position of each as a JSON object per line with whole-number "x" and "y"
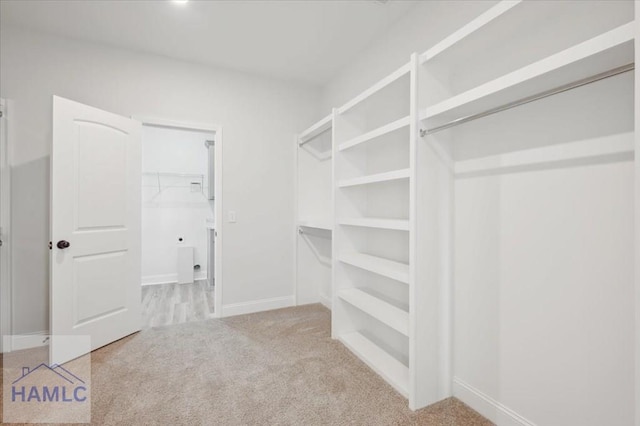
{"x": 423, "y": 133}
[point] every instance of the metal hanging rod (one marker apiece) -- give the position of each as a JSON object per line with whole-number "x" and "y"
{"x": 529, "y": 99}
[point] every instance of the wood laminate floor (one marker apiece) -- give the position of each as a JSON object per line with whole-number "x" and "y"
{"x": 167, "y": 304}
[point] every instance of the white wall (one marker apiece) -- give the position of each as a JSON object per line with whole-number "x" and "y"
{"x": 258, "y": 117}
{"x": 171, "y": 208}
{"x": 543, "y": 279}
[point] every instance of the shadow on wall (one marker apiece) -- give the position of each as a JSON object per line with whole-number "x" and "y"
{"x": 30, "y": 228}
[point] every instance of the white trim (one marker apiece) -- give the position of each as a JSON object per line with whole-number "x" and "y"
{"x": 217, "y": 130}
{"x": 326, "y": 301}
{"x": 6, "y": 293}
{"x": 258, "y": 305}
{"x": 487, "y": 406}
{"x": 29, "y": 340}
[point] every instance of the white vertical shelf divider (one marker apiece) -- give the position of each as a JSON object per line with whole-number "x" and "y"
{"x": 417, "y": 398}
{"x": 637, "y": 209}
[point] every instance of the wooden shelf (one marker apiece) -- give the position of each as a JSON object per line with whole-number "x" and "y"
{"x": 316, "y": 224}
{"x": 376, "y": 133}
{"x": 392, "y": 370}
{"x": 387, "y": 268}
{"x": 600, "y": 54}
{"x": 393, "y": 224}
{"x": 376, "y": 178}
{"x": 385, "y": 312}
{"x": 375, "y": 88}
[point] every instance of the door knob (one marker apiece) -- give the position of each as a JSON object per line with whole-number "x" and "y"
{"x": 63, "y": 244}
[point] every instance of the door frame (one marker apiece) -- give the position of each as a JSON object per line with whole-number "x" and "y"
{"x": 218, "y": 211}
{"x": 6, "y": 293}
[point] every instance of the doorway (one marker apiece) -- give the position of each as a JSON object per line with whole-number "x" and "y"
{"x": 180, "y": 271}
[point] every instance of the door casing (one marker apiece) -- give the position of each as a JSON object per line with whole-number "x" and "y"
{"x": 5, "y": 225}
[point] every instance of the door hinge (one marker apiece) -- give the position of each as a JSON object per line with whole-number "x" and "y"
{"x": 50, "y": 245}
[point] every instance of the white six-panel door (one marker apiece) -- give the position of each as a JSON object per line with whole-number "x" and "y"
{"x": 95, "y": 210}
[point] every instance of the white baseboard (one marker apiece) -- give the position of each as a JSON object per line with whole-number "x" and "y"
{"x": 487, "y": 406}
{"x": 326, "y": 301}
{"x": 30, "y": 340}
{"x": 169, "y": 278}
{"x": 257, "y": 306}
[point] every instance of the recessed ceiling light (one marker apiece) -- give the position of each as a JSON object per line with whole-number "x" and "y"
{"x": 180, "y": 1}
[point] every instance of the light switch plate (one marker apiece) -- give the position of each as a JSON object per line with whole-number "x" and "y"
{"x": 232, "y": 216}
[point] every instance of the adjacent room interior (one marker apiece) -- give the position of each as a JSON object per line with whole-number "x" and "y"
{"x": 319, "y": 212}
{"x": 178, "y": 225}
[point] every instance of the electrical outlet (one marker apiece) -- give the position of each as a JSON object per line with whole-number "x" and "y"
{"x": 232, "y": 216}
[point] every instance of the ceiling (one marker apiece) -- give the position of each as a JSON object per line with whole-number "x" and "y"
{"x": 307, "y": 41}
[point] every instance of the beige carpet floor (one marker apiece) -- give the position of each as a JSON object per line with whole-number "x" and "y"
{"x": 273, "y": 368}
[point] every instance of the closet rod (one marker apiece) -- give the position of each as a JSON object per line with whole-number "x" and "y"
{"x": 528, "y": 99}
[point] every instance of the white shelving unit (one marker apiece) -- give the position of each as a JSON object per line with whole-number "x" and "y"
{"x": 374, "y": 282}
{"x": 423, "y": 166}
{"x": 581, "y": 43}
{"x": 407, "y": 150}
{"x": 611, "y": 51}
{"x": 314, "y": 215}
{"x": 526, "y": 117}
